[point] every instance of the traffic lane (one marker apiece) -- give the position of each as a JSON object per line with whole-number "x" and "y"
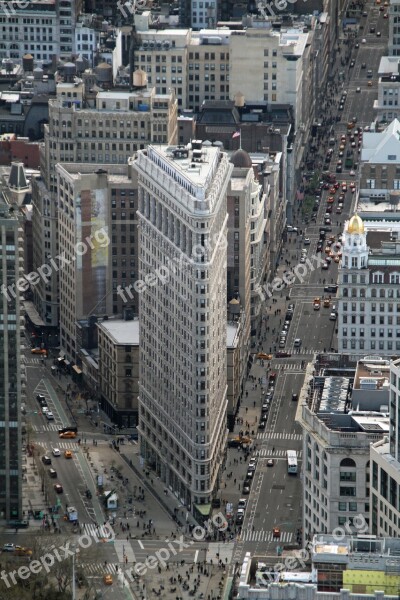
{"x": 278, "y": 501}
{"x": 317, "y": 327}
{"x": 292, "y": 384}
{"x": 69, "y": 476}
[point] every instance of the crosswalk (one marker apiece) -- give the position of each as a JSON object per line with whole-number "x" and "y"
{"x": 272, "y": 435}
{"x": 101, "y": 532}
{"x": 124, "y": 551}
{"x": 265, "y": 453}
{"x": 60, "y": 445}
{"x": 98, "y": 569}
{"x": 32, "y": 360}
{"x": 49, "y": 427}
{"x": 266, "y": 536}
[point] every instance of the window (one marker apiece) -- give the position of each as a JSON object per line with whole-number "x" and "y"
{"x": 347, "y": 491}
{"x": 342, "y": 506}
{"x": 377, "y": 277}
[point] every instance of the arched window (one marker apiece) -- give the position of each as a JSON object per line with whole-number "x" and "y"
{"x": 381, "y": 293}
{"x": 362, "y": 293}
{"x": 347, "y": 462}
{"x": 373, "y": 293}
{"x": 353, "y": 293}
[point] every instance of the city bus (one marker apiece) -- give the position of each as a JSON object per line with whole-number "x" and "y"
{"x": 292, "y": 461}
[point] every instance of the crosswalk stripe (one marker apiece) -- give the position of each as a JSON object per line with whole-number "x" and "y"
{"x": 98, "y": 568}
{"x": 273, "y": 435}
{"x": 124, "y": 550}
{"x": 266, "y": 536}
{"x": 97, "y": 532}
{"x": 267, "y": 453}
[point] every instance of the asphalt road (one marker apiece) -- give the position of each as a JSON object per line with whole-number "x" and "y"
{"x": 275, "y": 497}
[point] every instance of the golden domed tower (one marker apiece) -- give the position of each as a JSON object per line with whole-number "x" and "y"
{"x": 355, "y": 249}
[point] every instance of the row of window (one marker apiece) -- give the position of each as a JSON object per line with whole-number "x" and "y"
{"x": 360, "y": 344}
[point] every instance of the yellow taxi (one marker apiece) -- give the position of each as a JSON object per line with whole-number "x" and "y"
{"x": 67, "y": 435}
{"x": 327, "y": 303}
{"x": 263, "y": 356}
{"x": 68, "y": 454}
{"x": 107, "y": 579}
{"x": 21, "y": 551}
{"x": 41, "y": 351}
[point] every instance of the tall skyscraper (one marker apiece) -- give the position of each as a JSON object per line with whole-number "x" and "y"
{"x": 182, "y": 310}
{"x": 11, "y": 268}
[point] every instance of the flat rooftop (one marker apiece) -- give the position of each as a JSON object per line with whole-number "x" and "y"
{"x": 198, "y": 169}
{"x": 368, "y": 369}
{"x": 122, "y": 332}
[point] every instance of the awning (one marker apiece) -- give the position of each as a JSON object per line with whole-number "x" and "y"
{"x": 204, "y": 509}
{"x": 77, "y": 370}
{"x": 33, "y": 314}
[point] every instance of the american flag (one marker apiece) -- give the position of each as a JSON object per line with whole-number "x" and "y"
{"x": 236, "y": 134}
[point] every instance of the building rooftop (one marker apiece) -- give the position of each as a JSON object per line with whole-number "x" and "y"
{"x": 389, "y": 64}
{"x": 196, "y": 166}
{"x": 383, "y": 147}
{"x": 232, "y": 335}
{"x": 121, "y": 332}
{"x": 357, "y": 551}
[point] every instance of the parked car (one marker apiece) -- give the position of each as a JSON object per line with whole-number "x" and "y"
{"x": 246, "y": 486}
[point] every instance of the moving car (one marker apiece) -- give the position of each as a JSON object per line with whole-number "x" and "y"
{"x": 8, "y": 548}
{"x": 295, "y": 397}
{"x": 297, "y": 343}
{"x": 21, "y": 551}
{"x": 68, "y": 454}
{"x": 332, "y": 316}
{"x": 46, "y": 460}
{"x": 52, "y": 473}
{"x": 282, "y": 354}
{"x": 270, "y": 462}
{"x": 67, "y": 435}
{"x": 58, "y": 488}
{"x": 242, "y": 503}
{"x": 56, "y": 452}
{"x": 331, "y": 288}
{"x": 41, "y": 351}
{"x": 276, "y": 533}
{"x": 49, "y": 416}
{"x": 107, "y": 579}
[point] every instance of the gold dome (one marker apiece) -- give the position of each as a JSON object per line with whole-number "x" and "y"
{"x": 355, "y": 225}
